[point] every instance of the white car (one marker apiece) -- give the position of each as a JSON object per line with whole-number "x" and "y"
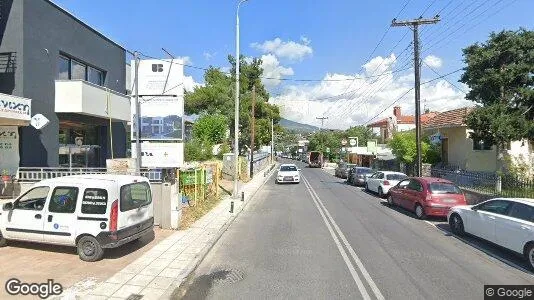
{"x": 288, "y": 173}
{"x": 90, "y": 212}
{"x": 381, "y": 181}
{"x": 507, "y": 222}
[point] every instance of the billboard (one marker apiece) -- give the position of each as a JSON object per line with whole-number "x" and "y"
{"x": 161, "y": 155}
{"x": 159, "y": 77}
{"x": 161, "y": 100}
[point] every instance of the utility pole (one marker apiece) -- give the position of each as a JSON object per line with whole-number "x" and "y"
{"x": 252, "y": 132}
{"x": 272, "y": 140}
{"x": 321, "y": 130}
{"x": 137, "y": 117}
{"x": 414, "y": 25}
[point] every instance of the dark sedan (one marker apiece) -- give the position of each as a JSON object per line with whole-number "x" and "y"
{"x": 358, "y": 175}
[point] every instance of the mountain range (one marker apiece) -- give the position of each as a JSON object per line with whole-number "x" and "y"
{"x": 292, "y": 125}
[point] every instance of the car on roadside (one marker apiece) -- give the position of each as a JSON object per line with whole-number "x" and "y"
{"x": 90, "y": 212}
{"x": 288, "y": 173}
{"x": 342, "y": 170}
{"x": 358, "y": 175}
{"x": 426, "y": 196}
{"x": 507, "y": 222}
{"x": 382, "y": 181}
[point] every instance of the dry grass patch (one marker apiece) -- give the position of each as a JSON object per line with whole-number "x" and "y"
{"x": 190, "y": 214}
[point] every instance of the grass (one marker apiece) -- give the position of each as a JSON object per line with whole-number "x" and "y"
{"x": 190, "y": 214}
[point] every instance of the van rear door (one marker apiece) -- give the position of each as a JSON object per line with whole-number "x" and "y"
{"x": 135, "y": 204}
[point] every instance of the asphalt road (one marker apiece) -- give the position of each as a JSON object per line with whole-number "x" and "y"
{"x": 324, "y": 239}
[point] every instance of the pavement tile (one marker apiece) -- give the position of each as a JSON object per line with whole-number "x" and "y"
{"x": 134, "y": 268}
{"x": 141, "y": 280}
{"x": 120, "y": 278}
{"x": 161, "y": 282}
{"x": 159, "y": 262}
{"x": 105, "y": 289}
{"x": 126, "y": 290}
{"x": 145, "y": 260}
{"x": 171, "y": 273}
{"x": 93, "y": 297}
{"x": 170, "y": 255}
{"x": 178, "y": 264}
{"x": 152, "y": 293}
{"x": 152, "y": 271}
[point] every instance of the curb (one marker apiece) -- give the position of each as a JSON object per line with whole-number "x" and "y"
{"x": 169, "y": 292}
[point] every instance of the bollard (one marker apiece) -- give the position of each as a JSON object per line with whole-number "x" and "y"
{"x": 232, "y": 207}
{"x": 242, "y": 196}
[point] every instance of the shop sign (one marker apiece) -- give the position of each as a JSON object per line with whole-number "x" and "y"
{"x": 9, "y": 149}
{"x": 161, "y": 155}
{"x": 435, "y": 139}
{"x": 12, "y": 107}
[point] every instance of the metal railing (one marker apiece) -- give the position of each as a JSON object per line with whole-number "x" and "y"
{"x": 506, "y": 185}
{"x": 29, "y": 174}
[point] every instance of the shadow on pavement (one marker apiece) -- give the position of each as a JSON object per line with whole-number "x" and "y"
{"x": 411, "y": 214}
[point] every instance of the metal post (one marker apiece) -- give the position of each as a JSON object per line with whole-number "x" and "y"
{"x": 137, "y": 118}
{"x": 236, "y": 112}
{"x": 253, "y": 121}
{"x": 272, "y": 140}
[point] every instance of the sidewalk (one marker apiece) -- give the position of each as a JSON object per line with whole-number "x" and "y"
{"x": 161, "y": 270}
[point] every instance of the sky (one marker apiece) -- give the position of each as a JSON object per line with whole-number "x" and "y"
{"x": 360, "y": 66}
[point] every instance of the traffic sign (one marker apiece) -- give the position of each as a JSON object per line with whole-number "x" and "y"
{"x": 352, "y": 142}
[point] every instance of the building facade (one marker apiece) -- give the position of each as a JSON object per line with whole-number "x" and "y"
{"x": 386, "y": 127}
{"x": 74, "y": 76}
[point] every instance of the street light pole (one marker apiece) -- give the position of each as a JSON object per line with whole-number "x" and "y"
{"x": 236, "y": 117}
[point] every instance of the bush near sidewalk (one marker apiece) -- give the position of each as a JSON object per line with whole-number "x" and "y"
{"x": 190, "y": 214}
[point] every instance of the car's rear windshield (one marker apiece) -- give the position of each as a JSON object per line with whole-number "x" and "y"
{"x": 363, "y": 171}
{"x": 288, "y": 168}
{"x": 396, "y": 177}
{"x": 135, "y": 195}
{"x": 444, "y": 188}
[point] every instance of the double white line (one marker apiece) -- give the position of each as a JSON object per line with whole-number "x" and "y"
{"x": 333, "y": 229}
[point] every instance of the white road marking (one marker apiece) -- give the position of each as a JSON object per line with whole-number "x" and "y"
{"x": 489, "y": 253}
{"x": 355, "y": 257}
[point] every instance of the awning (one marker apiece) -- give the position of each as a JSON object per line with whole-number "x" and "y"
{"x": 14, "y": 111}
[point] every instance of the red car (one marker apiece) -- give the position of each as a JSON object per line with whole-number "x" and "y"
{"x": 426, "y": 196}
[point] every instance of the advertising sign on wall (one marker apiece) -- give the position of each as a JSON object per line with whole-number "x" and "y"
{"x": 161, "y": 155}
{"x": 16, "y": 110}
{"x": 9, "y": 149}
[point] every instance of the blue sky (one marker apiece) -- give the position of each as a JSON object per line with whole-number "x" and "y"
{"x": 341, "y": 34}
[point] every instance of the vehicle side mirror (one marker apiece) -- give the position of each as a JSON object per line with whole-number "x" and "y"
{"x": 8, "y": 206}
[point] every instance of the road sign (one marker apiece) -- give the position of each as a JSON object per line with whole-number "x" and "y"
{"x": 435, "y": 138}
{"x": 352, "y": 142}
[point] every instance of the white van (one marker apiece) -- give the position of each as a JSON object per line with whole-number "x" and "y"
{"x": 90, "y": 212}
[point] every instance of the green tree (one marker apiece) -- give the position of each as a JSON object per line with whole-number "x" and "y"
{"x": 217, "y": 96}
{"x": 499, "y": 73}
{"x": 404, "y": 147}
{"x": 210, "y": 128}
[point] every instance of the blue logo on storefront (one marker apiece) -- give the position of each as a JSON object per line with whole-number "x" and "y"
{"x": 56, "y": 226}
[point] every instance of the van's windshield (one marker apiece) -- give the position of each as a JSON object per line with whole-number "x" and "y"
{"x": 135, "y": 195}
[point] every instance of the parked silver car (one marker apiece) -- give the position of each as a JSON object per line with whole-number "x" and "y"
{"x": 342, "y": 170}
{"x": 358, "y": 175}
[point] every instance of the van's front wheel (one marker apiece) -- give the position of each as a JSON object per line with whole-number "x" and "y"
{"x": 89, "y": 249}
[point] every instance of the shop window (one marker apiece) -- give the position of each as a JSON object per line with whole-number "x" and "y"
{"x": 480, "y": 144}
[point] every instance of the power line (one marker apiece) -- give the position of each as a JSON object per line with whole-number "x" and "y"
{"x": 436, "y": 72}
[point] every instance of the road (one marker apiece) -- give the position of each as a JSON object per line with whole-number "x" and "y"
{"x": 324, "y": 239}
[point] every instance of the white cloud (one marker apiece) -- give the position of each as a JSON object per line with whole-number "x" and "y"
{"x": 209, "y": 55}
{"x": 272, "y": 69}
{"x": 294, "y": 51}
{"x": 433, "y": 61}
{"x": 186, "y": 59}
{"x": 365, "y": 98}
{"x": 190, "y": 84}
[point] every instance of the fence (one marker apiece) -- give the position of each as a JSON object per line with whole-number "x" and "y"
{"x": 26, "y": 174}
{"x": 198, "y": 183}
{"x": 506, "y": 185}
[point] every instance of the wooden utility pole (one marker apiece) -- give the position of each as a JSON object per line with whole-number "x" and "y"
{"x": 322, "y": 124}
{"x": 414, "y": 24}
{"x": 252, "y": 124}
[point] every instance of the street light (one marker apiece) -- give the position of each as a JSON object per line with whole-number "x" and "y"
{"x": 236, "y": 117}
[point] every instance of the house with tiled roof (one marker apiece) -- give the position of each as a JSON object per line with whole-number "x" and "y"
{"x": 397, "y": 122}
{"x": 458, "y": 149}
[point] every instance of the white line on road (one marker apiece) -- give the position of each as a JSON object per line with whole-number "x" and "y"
{"x": 361, "y": 287}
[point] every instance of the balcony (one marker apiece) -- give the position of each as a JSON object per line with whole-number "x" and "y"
{"x": 82, "y": 97}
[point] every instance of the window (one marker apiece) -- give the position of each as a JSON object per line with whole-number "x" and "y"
{"x": 94, "y": 201}
{"x": 363, "y": 171}
{"x": 135, "y": 195}
{"x": 77, "y": 70}
{"x": 288, "y": 168}
{"x": 415, "y": 186}
{"x": 522, "y": 211}
{"x": 34, "y": 199}
{"x": 403, "y": 184}
{"x": 396, "y": 176}
{"x": 479, "y": 144}
{"x": 95, "y": 76}
{"x": 63, "y": 200}
{"x": 444, "y": 188}
{"x": 63, "y": 68}
{"x": 495, "y": 206}
{"x": 69, "y": 68}
{"x": 380, "y": 176}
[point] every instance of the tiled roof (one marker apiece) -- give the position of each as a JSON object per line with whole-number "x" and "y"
{"x": 451, "y": 118}
{"x": 404, "y": 120}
